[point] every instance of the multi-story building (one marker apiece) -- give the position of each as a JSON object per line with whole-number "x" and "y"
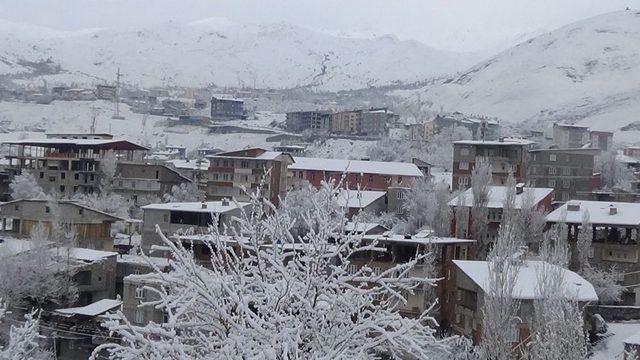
{"x": 504, "y": 155}
{"x": 602, "y": 140}
{"x": 344, "y": 122}
{"x": 186, "y": 218}
{"x": 92, "y": 227}
{"x": 539, "y": 198}
{"x": 567, "y": 171}
{"x": 567, "y": 136}
{"x": 315, "y": 120}
{"x": 134, "y": 293}
{"x": 632, "y": 151}
{"x": 374, "y": 122}
{"x": 68, "y": 165}
{"x": 472, "y": 284}
{"x": 138, "y": 180}
{"x": 224, "y": 108}
{"x": 367, "y": 175}
{"x": 230, "y": 173}
{"x": 480, "y": 128}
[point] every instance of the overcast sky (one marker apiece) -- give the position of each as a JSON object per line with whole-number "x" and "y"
{"x": 460, "y": 25}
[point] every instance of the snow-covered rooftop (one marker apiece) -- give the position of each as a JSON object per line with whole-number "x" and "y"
{"x": 356, "y": 166}
{"x": 625, "y": 214}
{"x": 81, "y": 254}
{"x": 202, "y": 207}
{"x": 139, "y": 260}
{"x": 94, "y": 309}
{"x": 497, "y": 195}
{"x": 526, "y": 286}
{"x": 267, "y": 155}
{"x": 418, "y": 239}
{"x": 189, "y": 164}
{"x": 358, "y": 198}
{"x": 361, "y": 227}
{"x": 12, "y": 246}
{"x": 633, "y": 339}
{"x": 125, "y": 144}
{"x": 505, "y": 142}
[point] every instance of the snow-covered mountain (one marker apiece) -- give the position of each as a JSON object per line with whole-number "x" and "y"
{"x": 587, "y": 72}
{"x": 214, "y": 51}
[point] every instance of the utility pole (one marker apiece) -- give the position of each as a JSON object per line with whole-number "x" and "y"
{"x": 117, "y": 115}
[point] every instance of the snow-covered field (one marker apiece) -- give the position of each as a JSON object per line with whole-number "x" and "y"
{"x": 612, "y": 347}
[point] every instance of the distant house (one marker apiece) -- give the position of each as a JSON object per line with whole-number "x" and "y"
{"x": 363, "y": 174}
{"x": 472, "y": 283}
{"x": 92, "y": 227}
{"x": 225, "y": 108}
{"x": 136, "y": 180}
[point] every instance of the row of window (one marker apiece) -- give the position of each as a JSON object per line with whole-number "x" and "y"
{"x": 230, "y": 177}
{"x": 63, "y": 176}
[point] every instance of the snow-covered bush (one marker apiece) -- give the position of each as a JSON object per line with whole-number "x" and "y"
{"x": 24, "y": 341}
{"x": 25, "y": 186}
{"x": 185, "y": 192}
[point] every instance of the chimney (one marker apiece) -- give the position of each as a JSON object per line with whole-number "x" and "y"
{"x": 204, "y": 205}
{"x": 613, "y": 209}
{"x": 225, "y": 202}
{"x": 519, "y": 188}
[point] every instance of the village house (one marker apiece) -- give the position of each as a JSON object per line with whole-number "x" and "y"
{"x": 615, "y": 235}
{"x": 68, "y": 165}
{"x": 536, "y": 198}
{"x": 137, "y": 265}
{"x": 362, "y": 174}
{"x": 472, "y": 281}
{"x": 504, "y": 155}
{"x": 139, "y": 180}
{"x": 134, "y": 293}
{"x": 195, "y": 170}
{"x": 92, "y": 228}
{"x": 186, "y": 218}
{"x": 231, "y": 172}
{"x": 567, "y": 171}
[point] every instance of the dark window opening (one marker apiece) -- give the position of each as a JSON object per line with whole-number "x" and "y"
{"x": 191, "y": 218}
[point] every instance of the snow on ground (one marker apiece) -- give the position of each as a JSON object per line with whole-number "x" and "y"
{"x": 612, "y": 347}
{"x": 340, "y": 149}
{"x": 25, "y": 120}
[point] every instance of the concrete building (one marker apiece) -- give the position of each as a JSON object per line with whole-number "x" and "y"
{"x": 68, "y": 165}
{"x": 472, "y": 283}
{"x": 567, "y": 136}
{"x": 92, "y": 227}
{"x": 138, "y": 180}
{"x": 632, "y": 151}
{"x": 186, "y": 218}
{"x": 479, "y": 127}
{"x": 344, "y": 122}
{"x": 225, "y": 108}
{"x": 232, "y": 171}
{"x": 602, "y": 140}
{"x": 356, "y": 201}
{"x": 368, "y": 175}
{"x": 615, "y": 234}
{"x": 504, "y": 155}
{"x": 134, "y": 293}
{"x": 374, "y": 122}
{"x": 567, "y": 171}
{"x": 540, "y": 198}
{"x": 315, "y": 121}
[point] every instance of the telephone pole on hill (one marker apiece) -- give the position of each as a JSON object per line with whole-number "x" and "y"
{"x": 116, "y": 114}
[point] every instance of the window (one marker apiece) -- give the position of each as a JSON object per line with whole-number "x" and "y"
{"x": 77, "y": 177}
{"x": 47, "y": 209}
{"x": 93, "y": 177}
{"x": 533, "y": 170}
{"x": 165, "y": 218}
{"x": 463, "y": 181}
{"x": 139, "y": 293}
{"x": 552, "y": 170}
{"x": 41, "y": 175}
{"x": 376, "y": 270}
{"x": 463, "y": 165}
{"x": 75, "y": 189}
{"x": 566, "y": 183}
{"x": 514, "y": 333}
{"x": 566, "y": 171}
{"x": 352, "y": 269}
{"x": 244, "y": 164}
{"x": 157, "y": 174}
{"x": 63, "y": 175}
{"x": 83, "y": 277}
{"x": 464, "y": 151}
{"x": 52, "y": 178}
{"x": 139, "y": 317}
{"x": 80, "y": 211}
{"x": 552, "y": 157}
{"x": 400, "y": 195}
{"x": 458, "y": 295}
{"x": 16, "y": 207}
{"x": 62, "y": 188}
{"x": 552, "y": 183}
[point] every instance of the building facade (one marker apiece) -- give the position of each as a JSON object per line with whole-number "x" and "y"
{"x": 227, "y": 109}
{"x": 137, "y": 180}
{"x": 569, "y": 136}
{"x": 315, "y": 121}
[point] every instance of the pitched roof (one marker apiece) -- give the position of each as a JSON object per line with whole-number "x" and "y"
{"x": 599, "y": 213}
{"x": 69, "y": 202}
{"x": 497, "y": 195}
{"x": 356, "y": 166}
{"x": 93, "y": 309}
{"x": 209, "y": 206}
{"x": 505, "y": 142}
{"x": 526, "y": 286}
{"x": 111, "y": 144}
{"x": 358, "y": 198}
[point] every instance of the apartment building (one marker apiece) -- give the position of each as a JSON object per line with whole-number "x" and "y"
{"x": 92, "y": 227}
{"x": 344, "y": 122}
{"x": 480, "y": 128}
{"x": 68, "y": 165}
{"x": 231, "y": 172}
{"x": 504, "y": 155}
{"x": 362, "y": 174}
{"x": 315, "y": 120}
{"x": 567, "y": 171}
{"x": 602, "y": 140}
{"x": 225, "y": 108}
{"x": 139, "y": 180}
{"x": 569, "y": 136}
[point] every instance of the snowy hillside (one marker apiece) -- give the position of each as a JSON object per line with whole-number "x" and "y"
{"x": 586, "y": 72}
{"x": 213, "y": 51}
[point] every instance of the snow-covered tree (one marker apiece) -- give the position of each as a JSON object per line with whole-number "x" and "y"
{"x": 558, "y": 325}
{"x": 614, "y": 173}
{"x": 500, "y": 309}
{"x": 268, "y": 294}
{"x": 185, "y": 192}
{"x": 441, "y": 222}
{"x": 108, "y": 169}
{"x": 462, "y": 216}
{"x": 419, "y": 205}
{"x": 439, "y": 151}
{"x": 481, "y": 177}
{"x": 580, "y": 254}
{"x": 25, "y": 186}
{"x": 108, "y": 202}
{"x": 530, "y": 221}
{"x": 24, "y": 341}
{"x": 389, "y": 150}
{"x": 605, "y": 282}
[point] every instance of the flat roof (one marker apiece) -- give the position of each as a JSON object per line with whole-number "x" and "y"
{"x": 209, "y": 206}
{"x": 570, "y": 126}
{"x": 93, "y": 309}
{"x": 110, "y": 144}
{"x": 356, "y": 166}
{"x": 498, "y": 194}
{"x": 627, "y": 214}
{"x": 505, "y": 142}
{"x": 417, "y": 239}
{"x": 527, "y": 282}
